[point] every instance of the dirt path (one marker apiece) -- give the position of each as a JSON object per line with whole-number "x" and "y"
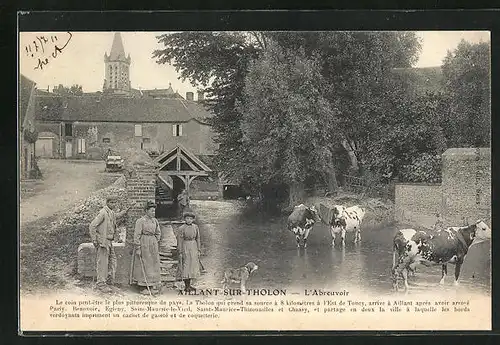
{"x": 64, "y": 184}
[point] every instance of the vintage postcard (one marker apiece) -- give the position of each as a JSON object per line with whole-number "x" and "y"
{"x": 264, "y": 180}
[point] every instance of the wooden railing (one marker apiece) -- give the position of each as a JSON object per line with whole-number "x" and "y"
{"x": 356, "y": 184}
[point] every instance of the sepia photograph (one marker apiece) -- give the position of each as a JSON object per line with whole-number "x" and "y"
{"x": 254, "y": 180}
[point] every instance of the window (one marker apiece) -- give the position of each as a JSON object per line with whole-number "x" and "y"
{"x": 106, "y": 140}
{"x": 80, "y": 145}
{"x": 177, "y": 130}
{"x": 138, "y": 130}
{"x": 68, "y": 129}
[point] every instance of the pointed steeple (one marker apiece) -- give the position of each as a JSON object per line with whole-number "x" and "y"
{"x": 117, "y": 50}
{"x": 117, "y": 68}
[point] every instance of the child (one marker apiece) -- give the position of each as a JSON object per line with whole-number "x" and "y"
{"x": 188, "y": 245}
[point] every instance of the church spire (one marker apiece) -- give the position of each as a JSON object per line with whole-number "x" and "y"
{"x": 117, "y": 68}
{"x": 117, "y": 50}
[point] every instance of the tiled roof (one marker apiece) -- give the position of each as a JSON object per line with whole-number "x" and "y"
{"x": 25, "y": 87}
{"x": 156, "y": 93}
{"x": 118, "y": 109}
{"x": 168, "y": 93}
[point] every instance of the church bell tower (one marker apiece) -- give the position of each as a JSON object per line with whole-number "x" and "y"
{"x": 117, "y": 68}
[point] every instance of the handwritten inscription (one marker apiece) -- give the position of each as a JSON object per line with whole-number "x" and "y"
{"x": 45, "y": 48}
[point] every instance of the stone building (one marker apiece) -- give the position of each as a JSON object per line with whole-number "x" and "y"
{"x": 120, "y": 117}
{"x": 85, "y": 127}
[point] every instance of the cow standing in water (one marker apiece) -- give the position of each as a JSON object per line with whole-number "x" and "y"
{"x": 346, "y": 219}
{"x": 301, "y": 221}
{"x": 449, "y": 245}
{"x": 400, "y": 242}
{"x": 404, "y": 236}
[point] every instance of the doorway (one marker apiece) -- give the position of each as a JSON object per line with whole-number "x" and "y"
{"x": 69, "y": 149}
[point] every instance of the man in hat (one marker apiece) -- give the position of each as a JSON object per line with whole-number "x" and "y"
{"x": 103, "y": 231}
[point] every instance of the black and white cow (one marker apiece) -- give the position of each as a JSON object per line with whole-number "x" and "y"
{"x": 444, "y": 246}
{"x": 346, "y": 219}
{"x": 301, "y": 221}
{"x": 401, "y": 240}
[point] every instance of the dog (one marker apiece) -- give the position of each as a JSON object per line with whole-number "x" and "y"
{"x": 239, "y": 275}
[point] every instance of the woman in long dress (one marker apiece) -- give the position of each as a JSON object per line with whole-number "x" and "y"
{"x": 147, "y": 234}
{"x": 188, "y": 245}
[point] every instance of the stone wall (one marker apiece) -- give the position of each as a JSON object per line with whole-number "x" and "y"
{"x": 466, "y": 184}
{"x": 141, "y": 182}
{"x": 140, "y": 174}
{"x": 418, "y": 203}
{"x": 463, "y": 197}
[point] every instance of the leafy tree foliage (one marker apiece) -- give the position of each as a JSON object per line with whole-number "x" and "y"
{"x": 357, "y": 68}
{"x": 425, "y": 167}
{"x": 456, "y": 116}
{"x": 410, "y": 127}
{"x": 218, "y": 61}
{"x": 285, "y": 102}
{"x": 466, "y": 73}
{"x": 286, "y": 121}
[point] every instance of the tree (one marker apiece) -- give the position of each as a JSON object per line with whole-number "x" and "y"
{"x": 218, "y": 62}
{"x": 75, "y": 90}
{"x": 466, "y": 73}
{"x": 286, "y": 121}
{"x": 407, "y": 134}
{"x": 353, "y": 67}
{"x": 357, "y": 69}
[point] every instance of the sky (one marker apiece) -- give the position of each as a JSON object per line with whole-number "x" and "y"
{"x": 82, "y": 59}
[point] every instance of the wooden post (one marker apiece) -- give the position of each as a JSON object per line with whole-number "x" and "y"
{"x": 178, "y": 159}
{"x": 189, "y": 179}
{"x": 186, "y": 183}
{"x": 183, "y": 179}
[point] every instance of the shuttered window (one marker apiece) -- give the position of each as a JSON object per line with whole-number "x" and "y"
{"x": 68, "y": 129}
{"x": 177, "y": 130}
{"x": 80, "y": 145}
{"x": 138, "y": 130}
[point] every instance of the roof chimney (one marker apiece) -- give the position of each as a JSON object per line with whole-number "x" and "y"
{"x": 190, "y": 96}
{"x": 201, "y": 96}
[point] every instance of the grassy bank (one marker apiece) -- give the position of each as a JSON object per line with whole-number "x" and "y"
{"x": 48, "y": 253}
{"x": 48, "y": 248}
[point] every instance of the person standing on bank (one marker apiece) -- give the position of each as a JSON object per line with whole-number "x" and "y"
{"x": 103, "y": 231}
{"x": 147, "y": 235}
{"x": 188, "y": 245}
{"x": 183, "y": 199}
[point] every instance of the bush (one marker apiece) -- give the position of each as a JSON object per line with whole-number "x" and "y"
{"x": 425, "y": 168}
{"x": 30, "y": 137}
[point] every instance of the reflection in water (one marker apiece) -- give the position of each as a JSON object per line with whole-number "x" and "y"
{"x": 233, "y": 236}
